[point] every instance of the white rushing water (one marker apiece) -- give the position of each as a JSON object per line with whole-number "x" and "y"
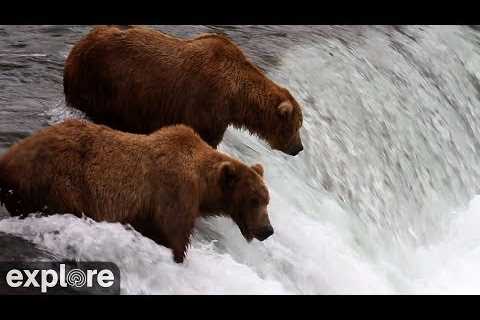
{"x": 382, "y": 200}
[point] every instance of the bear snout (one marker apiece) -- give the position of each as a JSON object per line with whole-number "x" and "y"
{"x": 296, "y": 149}
{"x": 264, "y": 233}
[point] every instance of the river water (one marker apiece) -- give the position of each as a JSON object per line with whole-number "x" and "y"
{"x": 382, "y": 200}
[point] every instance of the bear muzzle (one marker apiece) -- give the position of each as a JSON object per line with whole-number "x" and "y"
{"x": 264, "y": 233}
{"x": 294, "y": 145}
{"x": 296, "y": 149}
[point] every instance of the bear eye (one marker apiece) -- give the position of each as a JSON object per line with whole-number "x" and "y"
{"x": 254, "y": 203}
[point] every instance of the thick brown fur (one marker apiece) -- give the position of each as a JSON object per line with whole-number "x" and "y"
{"x": 159, "y": 183}
{"x": 138, "y": 80}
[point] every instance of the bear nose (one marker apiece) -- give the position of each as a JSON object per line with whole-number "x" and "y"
{"x": 296, "y": 149}
{"x": 264, "y": 233}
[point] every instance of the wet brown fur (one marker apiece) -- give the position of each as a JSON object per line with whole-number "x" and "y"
{"x": 138, "y": 79}
{"x": 159, "y": 183}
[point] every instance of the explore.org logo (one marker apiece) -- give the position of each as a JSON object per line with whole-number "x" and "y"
{"x": 59, "y": 278}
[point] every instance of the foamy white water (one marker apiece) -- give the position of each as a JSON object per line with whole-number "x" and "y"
{"x": 382, "y": 200}
{"x": 317, "y": 259}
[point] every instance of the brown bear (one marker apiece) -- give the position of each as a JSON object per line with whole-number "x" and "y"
{"x": 138, "y": 80}
{"x": 158, "y": 183}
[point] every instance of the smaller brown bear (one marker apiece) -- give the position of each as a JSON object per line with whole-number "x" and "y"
{"x": 138, "y": 80}
{"x": 158, "y": 183}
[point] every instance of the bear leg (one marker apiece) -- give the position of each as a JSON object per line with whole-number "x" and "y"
{"x": 151, "y": 231}
{"x": 175, "y": 223}
{"x": 211, "y": 136}
{"x": 179, "y": 237}
{"x": 175, "y": 238}
{"x": 179, "y": 248}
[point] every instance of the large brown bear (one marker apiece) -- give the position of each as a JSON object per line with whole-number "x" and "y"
{"x": 158, "y": 183}
{"x": 139, "y": 80}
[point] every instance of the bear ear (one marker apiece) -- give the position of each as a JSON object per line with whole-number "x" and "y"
{"x": 227, "y": 174}
{"x": 258, "y": 168}
{"x": 285, "y": 108}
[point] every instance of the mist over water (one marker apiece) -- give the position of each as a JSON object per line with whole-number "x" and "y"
{"x": 382, "y": 200}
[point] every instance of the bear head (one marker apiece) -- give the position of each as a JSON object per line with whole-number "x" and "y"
{"x": 284, "y": 134}
{"x": 246, "y": 198}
